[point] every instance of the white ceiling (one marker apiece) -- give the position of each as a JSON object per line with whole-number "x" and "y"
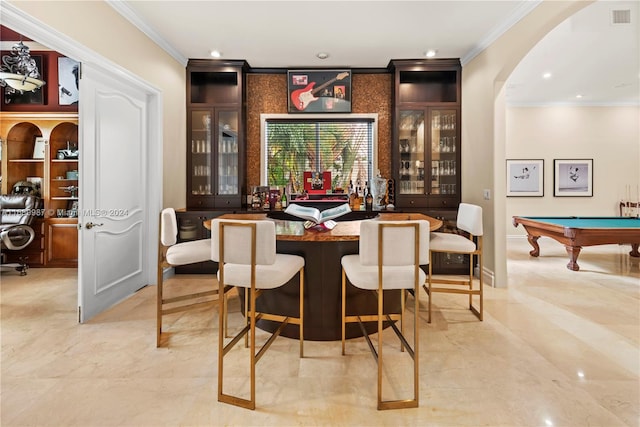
{"x": 283, "y": 34}
{"x": 586, "y": 54}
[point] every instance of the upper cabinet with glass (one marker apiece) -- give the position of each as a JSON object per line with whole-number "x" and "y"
{"x": 426, "y": 133}
{"x": 215, "y": 133}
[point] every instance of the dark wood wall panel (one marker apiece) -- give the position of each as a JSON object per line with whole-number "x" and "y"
{"x": 267, "y": 93}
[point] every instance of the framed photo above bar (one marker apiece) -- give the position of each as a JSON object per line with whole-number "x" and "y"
{"x": 573, "y": 178}
{"x": 319, "y": 91}
{"x": 525, "y": 178}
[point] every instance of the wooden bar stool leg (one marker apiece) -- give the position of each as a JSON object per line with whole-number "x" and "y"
{"x": 344, "y": 299}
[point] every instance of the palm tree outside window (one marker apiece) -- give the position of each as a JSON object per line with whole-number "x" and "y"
{"x": 345, "y": 146}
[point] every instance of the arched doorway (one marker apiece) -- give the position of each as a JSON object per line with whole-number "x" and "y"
{"x": 483, "y": 133}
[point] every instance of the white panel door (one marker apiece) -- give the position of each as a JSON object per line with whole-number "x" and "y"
{"x": 113, "y": 117}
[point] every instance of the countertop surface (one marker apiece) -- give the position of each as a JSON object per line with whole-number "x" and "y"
{"x": 343, "y": 231}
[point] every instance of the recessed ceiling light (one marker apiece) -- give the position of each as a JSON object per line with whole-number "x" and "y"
{"x": 322, "y": 55}
{"x": 216, "y": 53}
{"x": 578, "y": 96}
{"x": 546, "y": 75}
{"x": 430, "y": 53}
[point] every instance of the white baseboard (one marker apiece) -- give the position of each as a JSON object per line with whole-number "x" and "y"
{"x": 488, "y": 278}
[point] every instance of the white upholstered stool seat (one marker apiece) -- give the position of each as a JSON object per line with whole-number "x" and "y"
{"x": 269, "y": 276}
{"x": 444, "y": 242}
{"x": 189, "y": 252}
{"x": 366, "y": 276}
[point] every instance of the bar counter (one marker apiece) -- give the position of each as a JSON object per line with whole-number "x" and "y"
{"x": 322, "y": 252}
{"x": 288, "y": 230}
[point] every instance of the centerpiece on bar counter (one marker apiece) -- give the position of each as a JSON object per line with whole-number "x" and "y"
{"x": 317, "y": 219}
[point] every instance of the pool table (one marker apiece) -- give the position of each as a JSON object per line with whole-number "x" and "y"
{"x": 575, "y": 232}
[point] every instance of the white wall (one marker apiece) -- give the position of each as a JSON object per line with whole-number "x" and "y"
{"x": 608, "y": 135}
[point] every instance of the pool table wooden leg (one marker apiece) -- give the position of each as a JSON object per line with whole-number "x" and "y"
{"x": 573, "y": 252}
{"x": 533, "y": 240}
{"x": 634, "y": 250}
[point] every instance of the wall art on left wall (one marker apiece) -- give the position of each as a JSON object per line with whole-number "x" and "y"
{"x": 68, "y": 73}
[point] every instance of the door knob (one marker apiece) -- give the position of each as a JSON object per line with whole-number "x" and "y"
{"x": 90, "y": 225}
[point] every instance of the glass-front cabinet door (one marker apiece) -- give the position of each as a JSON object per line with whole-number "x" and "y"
{"x": 227, "y": 178}
{"x": 411, "y": 152}
{"x": 429, "y": 158}
{"x": 444, "y": 152}
{"x": 201, "y": 153}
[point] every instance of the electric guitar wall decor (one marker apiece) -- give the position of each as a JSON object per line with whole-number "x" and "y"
{"x": 301, "y": 98}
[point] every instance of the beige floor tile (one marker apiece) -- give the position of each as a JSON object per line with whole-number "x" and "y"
{"x": 556, "y": 348}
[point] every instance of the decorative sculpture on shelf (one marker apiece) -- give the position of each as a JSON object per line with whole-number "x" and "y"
{"x": 71, "y": 189}
{"x": 71, "y": 152}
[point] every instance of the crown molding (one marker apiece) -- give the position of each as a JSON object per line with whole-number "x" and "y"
{"x": 130, "y": 15}
{"x": 572, "y": 104}
{"x": 523, "y": 10}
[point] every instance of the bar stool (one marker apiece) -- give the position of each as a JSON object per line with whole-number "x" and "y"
{"x": 469, "y": 220}
{"x": 172, "y": 254}
{"x": 246, "y": 252}
{"x": 390, "y": 255}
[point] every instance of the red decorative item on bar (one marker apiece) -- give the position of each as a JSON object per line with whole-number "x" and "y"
{"x": 317, "y": 183}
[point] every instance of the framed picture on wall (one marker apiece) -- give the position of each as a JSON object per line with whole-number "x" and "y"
{"x": 319, "y": 91}
{"x": 36, "y": 97}
{"x": 573, "y": 177}
{"x": 525, "y": 177}
{"x": 68, "y": 81}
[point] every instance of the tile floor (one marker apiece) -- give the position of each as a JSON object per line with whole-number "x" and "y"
{"x": 556, "y": 348}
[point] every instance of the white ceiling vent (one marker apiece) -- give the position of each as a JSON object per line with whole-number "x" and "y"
{"x": 621, "y": 16}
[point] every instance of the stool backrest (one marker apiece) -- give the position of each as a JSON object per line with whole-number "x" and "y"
{"x": 168, "y": 227}
{"x": 470, "y": 219}
{"x": 398, "y": 242}
{"x": 238, "y": 241}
